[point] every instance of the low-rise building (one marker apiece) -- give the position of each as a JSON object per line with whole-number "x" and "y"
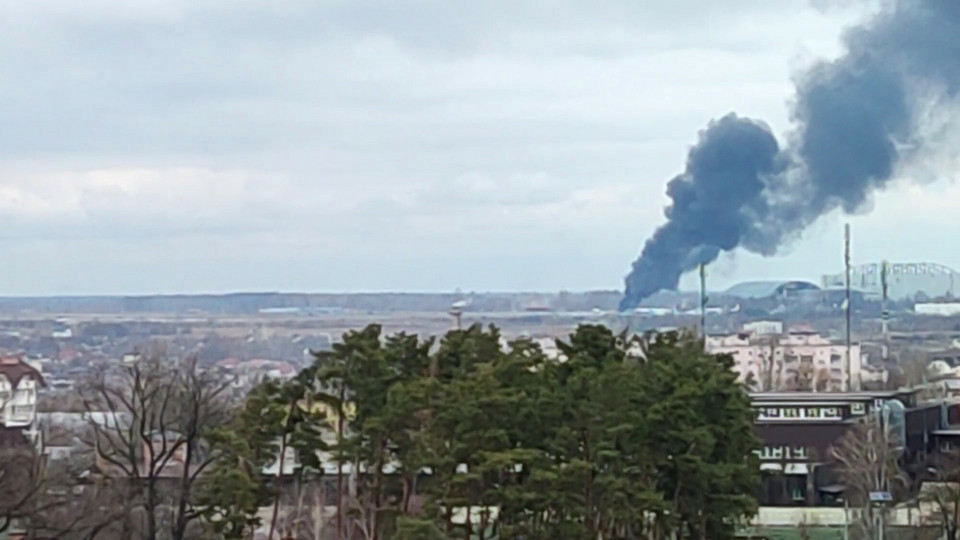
{"x": 19, "y": 381}
{"x": 798, "y": 430}
{"x": 763, "y": 328}
{"x": 794, "y": 361}
{"x": 942, "y": 309}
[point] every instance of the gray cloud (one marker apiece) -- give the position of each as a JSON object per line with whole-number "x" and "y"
{"x": 340, "y": 131}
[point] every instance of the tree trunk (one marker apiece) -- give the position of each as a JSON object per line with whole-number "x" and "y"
{"x": 956, "y": 519}
{"x": 276, "y": 500}
{"x": 151, "y": 508}
{"x": 181, "y": 522}
{"x": 377, "y": 486}
{"x": 588, "y": 489}
{"x": 405, "y": 499}
{"x": 484, "y": 518}
{"x": 340, "y": 463}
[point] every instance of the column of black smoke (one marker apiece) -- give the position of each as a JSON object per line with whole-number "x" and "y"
{"x": 854, "y": 118}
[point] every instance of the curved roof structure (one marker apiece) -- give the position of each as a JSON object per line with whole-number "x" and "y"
{"x": 768, "y": 289}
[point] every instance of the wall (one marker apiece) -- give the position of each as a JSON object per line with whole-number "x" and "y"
{"x": 19, "y": 407}
{"x": 813, "y": 354}
{"x": 945, "y": 309}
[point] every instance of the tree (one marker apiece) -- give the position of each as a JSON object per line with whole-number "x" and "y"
{"x": 21, "y": 478}
{"x": 770, "y": 367}
{"x": 942, "y": 494}
{"x": 867, "y": 461}
{"x": 276, "y": 420}
{"x": 231, "y": 495}
{"x": 372, "y": 385}
{"x": 149, "y": 424}
{"x": 623, "y": 437}
{"x": 305, "y": 511}
{"x": 912, "y": 369}
{"x": 701, "y": 432}
{"x": 417, "y": 529}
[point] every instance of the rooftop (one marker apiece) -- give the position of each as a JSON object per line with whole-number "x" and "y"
{"x": 766, "y": 289}
{"x": 14, "y": 368}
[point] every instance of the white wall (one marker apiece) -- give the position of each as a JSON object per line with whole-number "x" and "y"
{"x": 945, "y": 309}
{"x": 20, "y": 405}
{"x": 753, "y": 357}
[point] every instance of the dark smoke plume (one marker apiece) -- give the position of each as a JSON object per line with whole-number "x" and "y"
{"x": 854, "y": 120}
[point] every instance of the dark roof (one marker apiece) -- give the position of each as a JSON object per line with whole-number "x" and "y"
{"x": 825, "y": 396}
{"x": 15, "y": 369}
{"x": 766, "y": 289}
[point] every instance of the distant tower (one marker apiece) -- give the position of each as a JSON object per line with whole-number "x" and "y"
{"x": 456, "y": 311}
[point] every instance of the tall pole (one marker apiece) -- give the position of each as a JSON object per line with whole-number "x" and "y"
{"x": 884, "y": 314}
{"x": 846, "y": 264}
{"x": 703, "y": 304}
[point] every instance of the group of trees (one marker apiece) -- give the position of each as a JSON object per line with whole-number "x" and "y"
{"x": 398, "y": 437}
{"x": 625, "y": 437}
{"x": 144, "y": 448}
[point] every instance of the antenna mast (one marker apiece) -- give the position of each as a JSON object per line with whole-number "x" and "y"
{"x": 884, "y": 314}
{"x": 703, "y": 303}
{"x": 846, "y": 264}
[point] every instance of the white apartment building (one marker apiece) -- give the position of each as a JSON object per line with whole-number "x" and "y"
{"x": 18, "y": 393}
{"x": 794, "y": 361}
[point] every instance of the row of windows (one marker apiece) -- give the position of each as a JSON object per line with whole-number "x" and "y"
{"x": 809, "y": 413}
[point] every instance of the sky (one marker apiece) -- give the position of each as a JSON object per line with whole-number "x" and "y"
{"x": 185, "y": 146}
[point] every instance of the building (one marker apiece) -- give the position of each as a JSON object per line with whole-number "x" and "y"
{"x": 763, "y": 327}
{"x": 793, "y": 361}
{"x": 798, "y": 430}
{"x": 756, "y": 290}
{"x": 942, "y": 309}
{"x": 905, "y": 281}
{"x": 19, "y": 381}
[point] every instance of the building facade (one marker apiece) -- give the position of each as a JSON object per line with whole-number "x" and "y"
{"x": 799, "y": 429}
{"x": 802, "y": 361}
{"x": 19, "y": 382}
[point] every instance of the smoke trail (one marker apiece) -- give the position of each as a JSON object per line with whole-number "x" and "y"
{"x": 852, "y": 117}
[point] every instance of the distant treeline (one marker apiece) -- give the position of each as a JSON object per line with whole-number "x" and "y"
{"x": 252, "y": 303}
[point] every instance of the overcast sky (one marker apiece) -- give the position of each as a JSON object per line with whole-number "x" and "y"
{"x": 163, "y": 146}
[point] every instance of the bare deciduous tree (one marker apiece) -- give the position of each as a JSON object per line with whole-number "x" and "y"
{"x": 942, "y": 496}
{"x": 148, "y": 421}
{"x": 21, "y": 479}
{"x": 307, "y": 514}
{"x": 867, "y": 461}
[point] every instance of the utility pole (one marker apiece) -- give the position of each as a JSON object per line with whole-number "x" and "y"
{"x": 884, "y": 314}
{"x": 703, "y": 303}
{"x": 846, "y": 264}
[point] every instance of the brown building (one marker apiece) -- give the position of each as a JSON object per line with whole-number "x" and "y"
{"x": 797, "y": 430}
